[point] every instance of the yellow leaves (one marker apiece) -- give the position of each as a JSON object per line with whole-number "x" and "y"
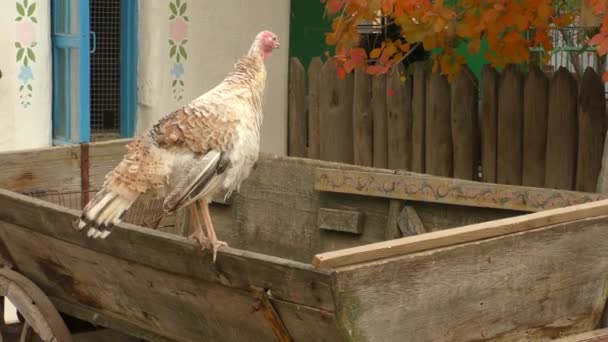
{"x": 375, "y": 53}
{"x": 474, "y": 46}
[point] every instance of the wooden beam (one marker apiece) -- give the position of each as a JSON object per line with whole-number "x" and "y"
{"x": 599, "y": 335}
{"x": 426, "y": 188}
{"x": 444, "y": 238}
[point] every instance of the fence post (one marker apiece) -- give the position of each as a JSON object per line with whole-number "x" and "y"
{"x": 362, "y": 119}
{"x": 438, "y": 149}
{"x": 336, "y": 115}
{"x": 561, "y": 131}
{"x": 399, "y": 105}
{"x": 536, "y": 90}
{"x": 418, "y": 80}
{"x": 488, "y": 117}
{"x": 591, "y": 130}
{"x": 314, "y": 138}
{"x": 509, "y": 127}
{"x": 380, "y": 117}
{"x": 296, "y": 110}
{"x": 464, "y": 125}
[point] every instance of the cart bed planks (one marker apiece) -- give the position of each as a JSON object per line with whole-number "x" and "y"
{"x": 478, "y": 268}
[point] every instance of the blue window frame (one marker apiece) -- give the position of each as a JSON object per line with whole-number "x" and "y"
{"x": 71, "y": 71}
{"x": 73, "y": 42}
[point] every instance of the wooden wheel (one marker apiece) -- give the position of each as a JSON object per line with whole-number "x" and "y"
{"x": 40, "y": 315}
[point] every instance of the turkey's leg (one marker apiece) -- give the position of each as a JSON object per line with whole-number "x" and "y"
{"x": 198, "y": 234}
{"x": 215, "y": 243}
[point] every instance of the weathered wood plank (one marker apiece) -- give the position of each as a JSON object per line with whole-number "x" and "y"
{"x": 348, "y": 221}
{"x": 561, "y": 131}
{"x": 296, "y": 109}
{"x": 380, "y": 121}
{"x": 591, "y": 130}
{"x": 392, "y": 221}
{"x": 495, "y": 289}
{"x": 183, "y": 308}
{"x": 362, "y": 119}
{"x": 509, "y": 147}
{"x": 55, "y": 169}
{"x": 464, "y": 125}
{"x": 438, "y": 149}
{"x": 336, "y": 115}
{"x": 410, "y": 223}
{"x": 488, "y": 119}
{"x": 314, "y": 121}
{"x": 536, "y": 88}
{"x": 399, "y": 105}
{"x": 418, "y": 78}
{"x": 417, "y": 187}
{"x": 459, "y": 235}
{"x": 602, "y": 179}
{"x": 171, "y": 253}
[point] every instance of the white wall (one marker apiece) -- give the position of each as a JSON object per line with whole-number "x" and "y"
{"x": 25, "y": 127}
{"x": 218, "y": 33}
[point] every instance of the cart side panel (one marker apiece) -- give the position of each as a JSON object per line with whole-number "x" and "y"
{"x": 534, "y": 285}
{"x": 277, "y": 212}
{"x": 161, "y": 284}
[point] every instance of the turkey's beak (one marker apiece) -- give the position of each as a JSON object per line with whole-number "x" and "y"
{"x": 277, "y": 45}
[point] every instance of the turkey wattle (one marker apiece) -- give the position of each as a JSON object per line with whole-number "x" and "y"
{"x": 208, "y": 145}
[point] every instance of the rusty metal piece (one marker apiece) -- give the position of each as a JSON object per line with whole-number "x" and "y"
{"x": 270, "y": 314}
{"x": 37, "y": 309}
{"x": 84, "y": 174}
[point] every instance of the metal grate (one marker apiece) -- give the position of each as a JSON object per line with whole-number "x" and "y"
{"x": 105, "y": 66}
{"x": 144, "y": 212}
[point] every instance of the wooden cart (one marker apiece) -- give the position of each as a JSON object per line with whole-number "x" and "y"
{"x": 318, "y": 252}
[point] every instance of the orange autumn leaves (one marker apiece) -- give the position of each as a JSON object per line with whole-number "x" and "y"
{"x": 600, "y": 39}
{"x": 505, "y": 25}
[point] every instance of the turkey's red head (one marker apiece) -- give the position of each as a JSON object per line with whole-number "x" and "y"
{"x": 267, "y": 41}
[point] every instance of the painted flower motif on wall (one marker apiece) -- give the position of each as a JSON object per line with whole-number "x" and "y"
{"x": 25, "y": 43}
{"x": 178, "y": 34}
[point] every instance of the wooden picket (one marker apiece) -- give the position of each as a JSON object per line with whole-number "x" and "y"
{"x": 516, "y": 127}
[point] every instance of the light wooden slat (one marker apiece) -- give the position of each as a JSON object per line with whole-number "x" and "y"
{"x": 417, "y": 187}
{"x": 591, "y": 130}
{"x": 336, "y": 115}
{"x": 476, "y": 232}
{"x": 488, "y": 118}
{"x": 509, "y": 148}
{"x": 561, "y": 131}
{"x": 599, "y": 335}
{"x": 399, "y": 106}
{"x": 380, "y": 123}
{"x": 464, "y": 125}
{"x": 536, "y": 88}
{"x": 533, "y": 286}
{"x": 418, "y": 78}
{"x": 296, "y": 109}
{"x": 438, "y": 148}
{"x": 362, "y": 119}
{"x": 314, "y": 123}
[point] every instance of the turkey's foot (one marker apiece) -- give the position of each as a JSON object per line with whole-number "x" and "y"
{"x": 199, "y": 237}
{"x": 215, "y": 245}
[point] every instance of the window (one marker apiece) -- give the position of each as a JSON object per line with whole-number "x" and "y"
{"x": 94, "y": 69}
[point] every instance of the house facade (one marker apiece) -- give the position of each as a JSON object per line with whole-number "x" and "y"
{"x": 80, "y": 71}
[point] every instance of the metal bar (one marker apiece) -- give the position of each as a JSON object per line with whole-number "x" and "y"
{"x": 426, "y": 188}
{"x": 84, "y": 174}
{"x": 271, "y": 315}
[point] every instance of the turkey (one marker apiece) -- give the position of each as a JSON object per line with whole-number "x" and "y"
{"x": 207, "y": 146}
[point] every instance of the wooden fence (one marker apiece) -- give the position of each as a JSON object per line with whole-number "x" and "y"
{"x": 518, "y": 128}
